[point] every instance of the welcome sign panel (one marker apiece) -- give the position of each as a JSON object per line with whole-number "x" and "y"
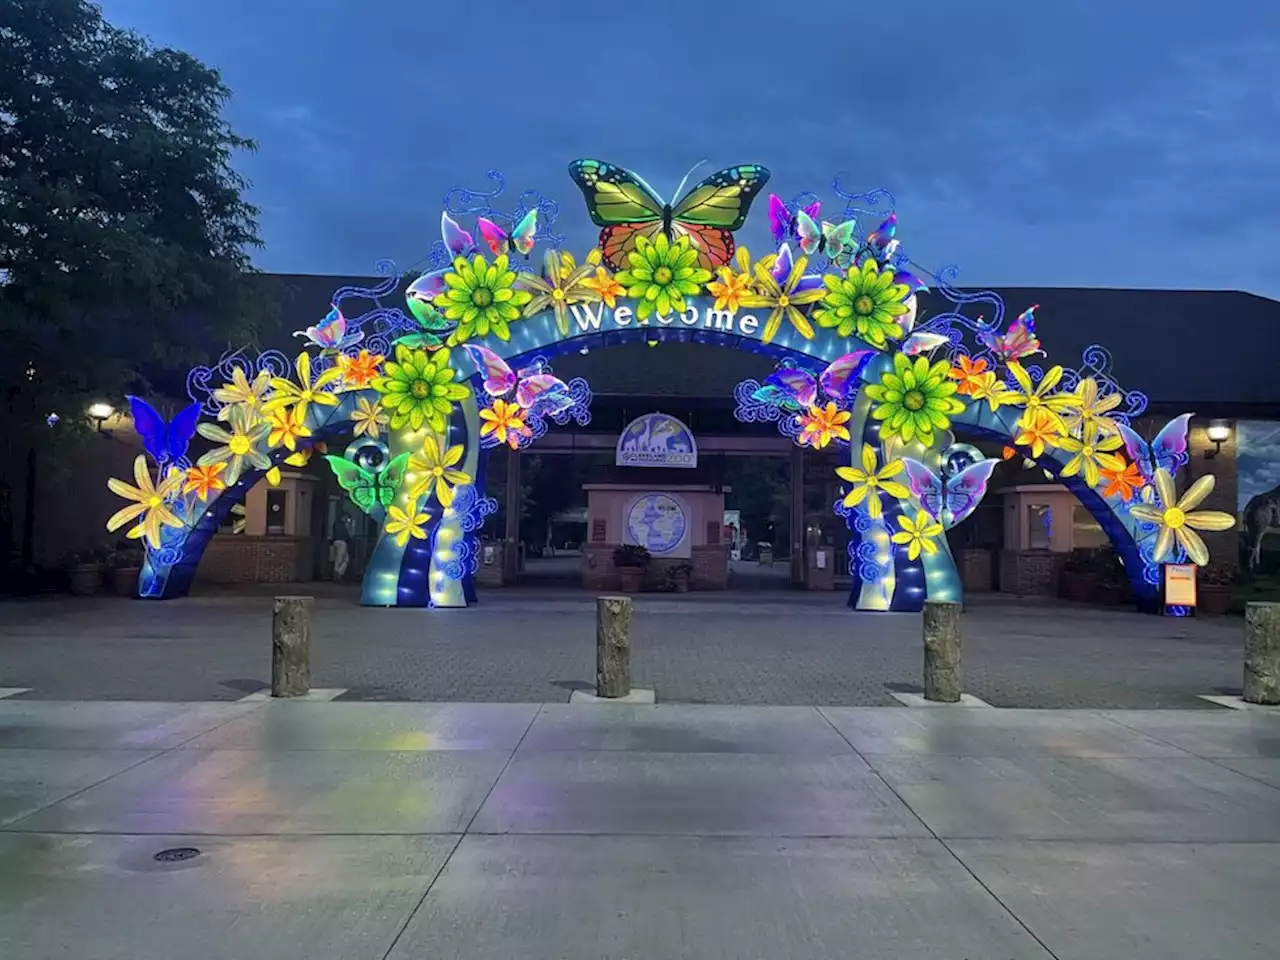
{"x": 592, "y": 324}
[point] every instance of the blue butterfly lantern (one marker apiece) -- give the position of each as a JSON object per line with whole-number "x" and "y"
{"x": 166, "y": 441}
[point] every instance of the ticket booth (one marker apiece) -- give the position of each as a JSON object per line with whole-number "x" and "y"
{"x": 657, "y": 502}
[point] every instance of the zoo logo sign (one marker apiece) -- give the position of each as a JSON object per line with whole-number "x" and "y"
{"x": 656, "y": 440}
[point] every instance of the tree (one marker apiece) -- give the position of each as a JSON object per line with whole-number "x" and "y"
{"x": 555, "y": 485}
{"x": 120, "y": 213}
{"x": 762, "y": 494}
{"x": 123, "y": 229}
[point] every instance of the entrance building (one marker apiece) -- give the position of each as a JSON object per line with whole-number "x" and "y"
{"x": 900, "y": 379}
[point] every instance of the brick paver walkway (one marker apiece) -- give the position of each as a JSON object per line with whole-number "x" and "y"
{"x": 531, "y": 646}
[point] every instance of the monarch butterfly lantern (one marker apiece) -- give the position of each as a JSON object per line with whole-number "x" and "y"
{"x": 626, "y": 208}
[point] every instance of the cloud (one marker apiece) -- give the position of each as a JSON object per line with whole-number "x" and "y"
{"x": 1258, "y": 459}
{"x": 290, "y": 115}
{"x": 1032, "y": 143}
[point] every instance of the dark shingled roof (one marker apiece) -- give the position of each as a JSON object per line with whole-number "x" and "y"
{"x": 1213, "y": 352}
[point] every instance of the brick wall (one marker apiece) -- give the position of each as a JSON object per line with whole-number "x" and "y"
{"x": 490, "y": 574}
{"x": 824, "y": 578}
{"x": 597, "y": 567}
{"x": 242, "y": 559}
{"x": 976, "y": 569}
{"x": 1030, "y": 573}
{"x": 710, "y": 568}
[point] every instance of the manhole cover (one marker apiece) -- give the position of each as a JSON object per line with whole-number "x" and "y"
{"x": 177, "y": 855}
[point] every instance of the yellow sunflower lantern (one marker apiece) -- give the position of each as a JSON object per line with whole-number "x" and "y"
{"x": 866, "y": 484}
{"x": 562, "y": 284}
{"x": 781, "y": 285}
{"x": 1179, "y": 520}
{"x": 917, "y": 534}
{"x": 150, "y": 503}
{"x": 435, "y": 470}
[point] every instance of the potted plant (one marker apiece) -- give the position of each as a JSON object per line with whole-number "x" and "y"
{"x": 1216, "y": 584}
{"x": 678, "y": 577}
{"x": 631, "y": 562}
{"x": 1109, "y": 575}
{"x": 1078, "y": 575}
{"x": 84, "y": 572}
{"x": 126, "y": 566}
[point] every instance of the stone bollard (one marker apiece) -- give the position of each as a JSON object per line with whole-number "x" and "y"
{"x": 942, "y": 668}
{"x": 291, "y": 647}
{"x": 1262, "y": 653}
{"x": 613, "y": 647}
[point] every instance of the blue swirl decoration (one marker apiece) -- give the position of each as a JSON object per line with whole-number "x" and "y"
{"x": 536, "y": 417}
{"x": 862, "y": 551}
{"x": 469, "y": 202}
{"x": 750, "y": 410}
{"x": 202, "y": 381}
{"x": 870, "y": 203}
{"x": 1095, "y": 360}
{"x": 473, "y": 509}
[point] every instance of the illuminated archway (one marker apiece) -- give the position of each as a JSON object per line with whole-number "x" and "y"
{"x": 417, "y": 398}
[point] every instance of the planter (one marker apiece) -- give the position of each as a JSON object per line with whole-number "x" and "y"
{"x": 1213, "y": 598}
{"x": 680, "y": 582}
{"x": 86, "y": 579}
{"x": 124, "y": 581}
{"x": 1109, "y": 595}
{"x": 1078, "y": 587}
{"x": 632, "y": 578}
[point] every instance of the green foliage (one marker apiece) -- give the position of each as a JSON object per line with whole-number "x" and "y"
{"x": 631, "y": 555}
{"x": 1219, "y": 574}
{"x": 97, "y": 557}
{"x": 1080, "y": 560}
{"x": 1102, "y": 564}
{"x": 762, "y": 494}
{"x": 123, "y": 230}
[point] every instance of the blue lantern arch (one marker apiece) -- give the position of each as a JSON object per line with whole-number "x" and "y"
{"x": 929, "y": 576}
{"x": 436, "y": 566}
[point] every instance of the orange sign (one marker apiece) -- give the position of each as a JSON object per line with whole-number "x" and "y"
{"x": 1180, "y": 584}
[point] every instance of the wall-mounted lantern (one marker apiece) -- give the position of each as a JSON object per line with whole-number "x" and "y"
{"x": 1219, "y": 432}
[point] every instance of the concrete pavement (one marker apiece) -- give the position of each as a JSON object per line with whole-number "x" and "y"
{"x": 374, "y": 831}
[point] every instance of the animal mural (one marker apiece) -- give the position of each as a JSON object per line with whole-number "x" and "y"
{"x": 1261, "y": 515}
{"x": 656, "y": 434}
{"x": 1258, "y": 486}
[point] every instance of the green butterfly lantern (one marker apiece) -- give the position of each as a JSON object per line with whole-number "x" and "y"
{"x": 370, "y": 488}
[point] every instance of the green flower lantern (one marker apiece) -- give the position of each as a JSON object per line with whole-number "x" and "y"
{"x": 864, "y": 301}
{"x": 662, "y": 274}
{"x": 419, "y": 388}
{"x": 914, "y": 399}
{"x": 481, "y": 297}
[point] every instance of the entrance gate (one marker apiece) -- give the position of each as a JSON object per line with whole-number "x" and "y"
{"x": 408, "y": 403}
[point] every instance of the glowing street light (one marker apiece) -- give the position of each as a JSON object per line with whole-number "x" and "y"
{"x": 99, "y": 412}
